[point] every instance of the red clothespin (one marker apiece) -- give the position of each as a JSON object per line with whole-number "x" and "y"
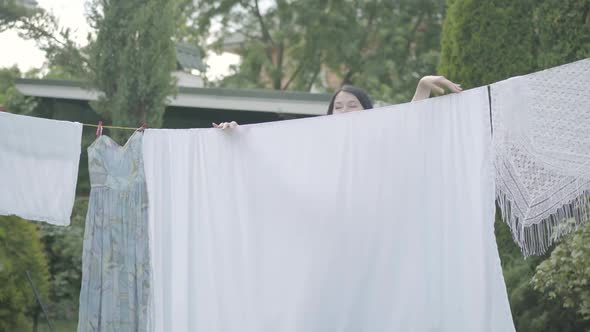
{"x": 143, "y": 127}
{"x": 99, "y": 129}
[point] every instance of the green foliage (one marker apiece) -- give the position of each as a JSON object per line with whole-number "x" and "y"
{"x": 63, "y": 247}
{"x": 485, "y": 41}
{"x": 400, "y": 47}
{"x": 12, "y": 13}
{"x": 382, "y": 46}
{"x": 132, "y": 58}
{"x": 20, "y": 250}
{"x": 565, "y": 276}
{"x": 531, "y": 311}
{"x": 563, "y": 31}
{"x": 185, "y": 17}
{"x": 18, "y": 103}
{"x": 10, "y": 98}
{"x": 7, "y": 78}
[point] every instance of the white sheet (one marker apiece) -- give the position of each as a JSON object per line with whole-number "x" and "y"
{"x": 378, "y": 220}
{"x": 38, "y": 167}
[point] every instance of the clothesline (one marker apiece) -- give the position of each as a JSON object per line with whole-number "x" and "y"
{"x": 145, "y": 125}
{"x": 130, "y": 128}
{"x": 109, "y": 127}
{"x": 100, "y": 126}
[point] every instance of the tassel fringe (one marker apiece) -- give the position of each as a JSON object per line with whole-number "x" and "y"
{"x": 536, "y": 239}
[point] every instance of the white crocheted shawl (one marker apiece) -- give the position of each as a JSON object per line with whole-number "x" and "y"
{"x": 541, "y": 126}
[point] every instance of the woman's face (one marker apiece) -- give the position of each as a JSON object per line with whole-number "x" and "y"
{"x": 346, "y": 102}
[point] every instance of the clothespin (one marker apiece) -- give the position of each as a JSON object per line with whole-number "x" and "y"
{"x": 99, "y": 129}
{"x": 143, "y": 127}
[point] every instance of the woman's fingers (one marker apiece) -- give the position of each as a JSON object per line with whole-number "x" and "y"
{"x": 436, "y": 84}
{"x": 225, "y": 125}
{"x": 453, "y": 87}
{"x": 449, "y": 85}
{"x": 438, "y": 89}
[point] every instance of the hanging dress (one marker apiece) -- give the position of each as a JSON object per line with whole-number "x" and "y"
{"x": 115, "y": 261}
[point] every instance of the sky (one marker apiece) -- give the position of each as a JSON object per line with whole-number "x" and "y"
{"x": 23, "y": 53}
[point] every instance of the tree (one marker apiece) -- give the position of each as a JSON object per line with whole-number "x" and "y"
{"x": 132, "y": 60}
{"x": 42, "y": 27}
{"x": 7, "y": 78}
{"x": 486, "y": 41}
{"x": 13, "y": 14}
{"x": 563, "y": 31}
{"x": 10, "y": 98}
{"x": 400, "y": 46}
{"x": 383, "y": 46}
{"x": 20, "y": 251}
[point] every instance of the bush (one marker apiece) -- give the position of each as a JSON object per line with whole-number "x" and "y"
{"x": 484, "y": 41}
{"x": 566, "y": 274}
{"x": 20, "y": 250}
{"x": 563, "y": 31}
{"x": 63, "y": 247}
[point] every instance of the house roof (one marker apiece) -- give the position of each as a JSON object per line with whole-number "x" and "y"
{"x": 29, "y": 3}
{"x": 189, "y": 57}
{"x": 247, "y": 100}
{"x": 233, "y": 42}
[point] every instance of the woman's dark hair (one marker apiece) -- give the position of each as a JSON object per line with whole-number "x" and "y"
{"x": 358, "y": 93}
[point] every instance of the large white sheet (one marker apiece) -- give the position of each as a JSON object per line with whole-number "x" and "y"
{"x": 38, "y": 167}
{"x": 378, "y": 220}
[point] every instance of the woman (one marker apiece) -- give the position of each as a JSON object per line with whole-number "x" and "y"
{"x": 349, "y": 98}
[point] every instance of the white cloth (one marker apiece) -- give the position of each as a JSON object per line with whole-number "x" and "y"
{"x": 38, "y": 167}
{"x": 379, "y": 220}
{"x": 542, "y": 146}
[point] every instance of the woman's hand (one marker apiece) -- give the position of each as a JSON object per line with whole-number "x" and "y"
{"x": 225, "y": 125}
{"x": 436, "y": 83}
